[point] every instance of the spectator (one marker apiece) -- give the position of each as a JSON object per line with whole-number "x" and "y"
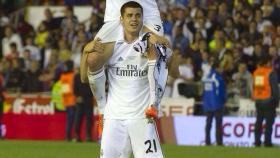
{"x": 35, "y": 53}
{"x": 239, "y": 22}
{"x": 186, "y": 69}
{"x": 214, "y": 98}
{"x": 9, "y": 38}
{"x": 69, "y": 16}
{"x": 238, "y": 57}
{"x": 219, "y": 44}
{"x": 243, "y": 81}
{"x": 228, "y": 66}
{"x": 261, "y": 21}
{"x": 42, "y": 35}
{"x": 275, "y": 18}
{"x": 26, "y": 59}
{"x": 167, "y": 25}
{"x": 196, "y": 55}
{"x": 14, "y": 51}
{"x": 221, "y": 49}
{"x": 4, "y": 20}
{"x": 64, "y": 53}
{"x": 193, "y": 5}
{"x": 84, "y": 107}
{"x": 173, "y": 71}
{"x": 69, "y": 23}
{"x": 186, "y": 78}
{"x": 275, "y": 60}
{"x": 96, "y": 5}
{"x": 24, "y": 28}
{"x": 6, "y": 66}
{"x": 222, "y": 12}
{"x": 206, "y": 64}
{"x": 78, "y": 43}
{"x": 179, "y": 40}
{"x": 230, "y": 30}
{"x": 2, "y": 98}
{"x": 14, "y": 80}
{"x": 211, "y": 20}
{"x": 267, "y": 35}
{"x": 49, "y": 75}
{"x": 31, "y": 82}
{"x": 68, "y": 97}
{"x": 266, "y": 96}
{"x": 51, "y": 22}
{"x": 95, "y": 23}
{"x": 277, "y": 43}
{"x": 82, "y": 28}
{"x": 257, "y": 56}
{"x": 253, "y": 32}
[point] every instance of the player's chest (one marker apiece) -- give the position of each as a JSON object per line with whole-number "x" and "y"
{"x": 124, "y": 54}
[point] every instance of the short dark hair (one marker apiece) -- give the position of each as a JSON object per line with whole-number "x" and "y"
{"x": 265, "y": 60}
{"x": 130, "y": 4}
{"x": 216, "y": 64}
{"x": 69, "y": 65}
{"x": 70, "y": 8}
{"x": 13, "y": 44}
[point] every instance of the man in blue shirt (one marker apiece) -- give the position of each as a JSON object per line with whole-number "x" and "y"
{"x": 214, "y": 98}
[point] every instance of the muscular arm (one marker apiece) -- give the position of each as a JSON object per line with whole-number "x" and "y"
{"x": 95, "y": 55}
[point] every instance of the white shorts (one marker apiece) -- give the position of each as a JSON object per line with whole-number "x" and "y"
{"x": 122, "y": 137}
{"x": 111, "y": 30}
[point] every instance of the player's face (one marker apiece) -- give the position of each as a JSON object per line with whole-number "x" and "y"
{"x": 132, "y": 20}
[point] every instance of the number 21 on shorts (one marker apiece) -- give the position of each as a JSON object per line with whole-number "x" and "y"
{"x": 151, "y": 146}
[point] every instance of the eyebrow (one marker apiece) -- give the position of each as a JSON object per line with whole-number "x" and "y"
{"x": 133, "y": 13}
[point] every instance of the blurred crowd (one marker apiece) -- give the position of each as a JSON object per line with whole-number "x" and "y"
{"x": 238, "y": 33}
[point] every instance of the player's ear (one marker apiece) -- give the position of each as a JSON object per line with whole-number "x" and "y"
{"x": 121, "y": 19}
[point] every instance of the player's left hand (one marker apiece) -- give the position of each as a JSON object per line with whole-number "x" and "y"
{"x": 155, "y": 39}
{"x": 151, "y": 112}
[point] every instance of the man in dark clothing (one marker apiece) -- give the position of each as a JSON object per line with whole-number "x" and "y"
{"x": 31, "y": 82}
{"x": 214, "y": 98}
{"x": 1, "y": 100}
{"x": 266, "y": 96}
{"x": 84, "y": 99}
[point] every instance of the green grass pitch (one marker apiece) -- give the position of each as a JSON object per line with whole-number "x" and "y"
{"x": 59, "y": 149}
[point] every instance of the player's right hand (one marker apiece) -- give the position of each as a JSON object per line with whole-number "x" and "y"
{"x": 94, "y": 46}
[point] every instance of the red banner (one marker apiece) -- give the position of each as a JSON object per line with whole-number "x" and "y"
{"x": 35, "y": 117}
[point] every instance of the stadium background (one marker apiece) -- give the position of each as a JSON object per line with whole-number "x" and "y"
{"x": 238, "y": 32}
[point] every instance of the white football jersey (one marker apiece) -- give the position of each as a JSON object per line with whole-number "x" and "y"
{"x": 113, "y": 7}
{"x": 128, "y": 94}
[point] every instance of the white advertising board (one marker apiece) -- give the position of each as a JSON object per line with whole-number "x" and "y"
{"x": 180, "y": 106}
{"x": 238, "y": 131}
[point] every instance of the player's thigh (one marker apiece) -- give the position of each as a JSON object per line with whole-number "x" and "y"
{"x": 144, "y": 139}
{"x": 153, "y": 24}
{"x": 110, "y": 31}
{"x": 115, "y": 142}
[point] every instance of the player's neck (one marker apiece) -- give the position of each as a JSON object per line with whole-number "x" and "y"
{"x": 130, "y": 37}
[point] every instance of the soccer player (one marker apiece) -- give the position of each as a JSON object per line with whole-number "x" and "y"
{"x": 92, "y": 61}
{"x": 126, "y": 127}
